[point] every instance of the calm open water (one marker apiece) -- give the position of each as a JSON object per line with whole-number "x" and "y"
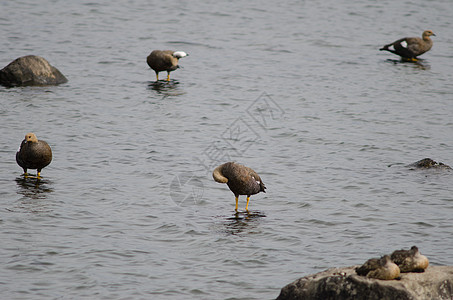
{"x": 297, "y": 90}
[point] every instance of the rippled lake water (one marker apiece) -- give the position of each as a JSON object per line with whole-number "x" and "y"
{"x": 297, "y": 90}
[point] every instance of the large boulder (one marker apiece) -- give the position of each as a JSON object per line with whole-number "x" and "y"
{"x": 343, "y": 283}
{"x": 30, "y": 70}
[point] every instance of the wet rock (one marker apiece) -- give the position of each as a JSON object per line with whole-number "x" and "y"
{"x": 30, "y": 70}
{"x": 428, "y": 163}
{"x": 342, "y": 283}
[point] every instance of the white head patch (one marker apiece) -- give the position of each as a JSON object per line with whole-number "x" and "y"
{"x": 179, "y": 54}
{"x": 403, "y": 44}
{"x": 391, "y": 48}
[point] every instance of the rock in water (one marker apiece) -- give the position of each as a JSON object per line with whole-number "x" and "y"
{"x": 30, "y": 70}
{"x": 343, "y": 284}
{"x": 428, "y": 163}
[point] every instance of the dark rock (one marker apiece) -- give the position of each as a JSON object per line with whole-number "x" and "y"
{"x": 342, "y": 283}
{"x": 428, "y": 163}
{"x": 30, "y": 70}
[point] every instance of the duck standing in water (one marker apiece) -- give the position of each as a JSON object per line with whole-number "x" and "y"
{"x": 382, "y": 268}
{"x": 411, "y": 47}
{"x": 33, "y": 154}
{"x": 164, "y": 60}
{"x": 240, "y": 179}
{"x": 410, "y": 260}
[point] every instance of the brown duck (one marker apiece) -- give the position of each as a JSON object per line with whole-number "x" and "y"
{"x": 382, "y": 268}
{"x": 240, "y": 179}
{"x": 164, "y": 60}
{"x": 410, "y": 260}
{"x": 411, "y": 47}
{"x": 33, "y": 154}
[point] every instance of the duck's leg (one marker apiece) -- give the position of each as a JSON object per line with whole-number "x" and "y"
{"x": 25, "y": 173}
{"x": 247, "y": 206}
{"x": 237, "y": 201}
{"x": 38, "y": 174}
{"x": 168, "y": 76}
{"x": 157, "y": 76}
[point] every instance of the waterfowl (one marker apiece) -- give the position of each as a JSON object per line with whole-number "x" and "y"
{"x": 240, "y": 179}
{"x": 164, "y": 60}
{"x": 411, "y": 47}
{"x": 410, "y": 260}
{"x": 382, "y": 268}
{"x": 33, "y": 154}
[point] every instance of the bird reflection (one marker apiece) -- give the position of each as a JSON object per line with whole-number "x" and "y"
{"x": 243, "y": 222}
{"x": 33, "y": 187}
{"x": 419, "y": 64}
{"x": 166, "y": 88}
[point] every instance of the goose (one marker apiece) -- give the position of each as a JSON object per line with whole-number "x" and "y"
{"x": 410, "y": 260}
{"x": 164, "y": 60}
{"x": 411, "y": 47}
{"x": 379, "y": 268}
{"x": 33, "y": 154}
{"x": 240, "y": 179}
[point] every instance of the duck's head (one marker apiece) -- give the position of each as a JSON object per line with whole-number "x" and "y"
{"x": 31, "y": 138}
{"x": 428, "y": 33}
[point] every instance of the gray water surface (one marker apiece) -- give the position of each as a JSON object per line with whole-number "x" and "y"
{"x": 297, "y": 90}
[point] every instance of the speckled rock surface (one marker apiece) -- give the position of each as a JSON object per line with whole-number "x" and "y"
{"x": 343, "y": 283}
{"x": 30, "y": 70}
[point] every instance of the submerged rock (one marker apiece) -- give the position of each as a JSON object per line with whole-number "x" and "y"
{"x": 428, "y": 163}
{"x": 342, "y": 284}
{"x": 30, "y": 70}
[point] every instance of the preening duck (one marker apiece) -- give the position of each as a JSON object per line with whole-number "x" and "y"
{"x": 164, "y": 60}
{"x": 240, "y": 179}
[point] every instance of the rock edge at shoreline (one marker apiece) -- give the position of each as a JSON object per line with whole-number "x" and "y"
{"x": 343, "y": 283}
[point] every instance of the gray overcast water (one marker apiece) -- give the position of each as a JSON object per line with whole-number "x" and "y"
{"x": 297, "y": 90}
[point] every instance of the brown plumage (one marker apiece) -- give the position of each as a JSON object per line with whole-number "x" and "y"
{"x": 240, "y": 179}
{"x": 164, "y": 60}
{"x": 382, "y": 268}
{"x": 410, "y": 260}
{"x": 33, "y": 154}
{"x": 411, "y": 47}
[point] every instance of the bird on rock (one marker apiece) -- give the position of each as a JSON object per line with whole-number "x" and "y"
{"x": 411, "y": 47}
{"x": 410, "y": 260}
{"x": 379, "y": 268}
{"x": 240, "y": 179}
{"x": 164, "y": 60}
{"x": 33, "y": 154}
